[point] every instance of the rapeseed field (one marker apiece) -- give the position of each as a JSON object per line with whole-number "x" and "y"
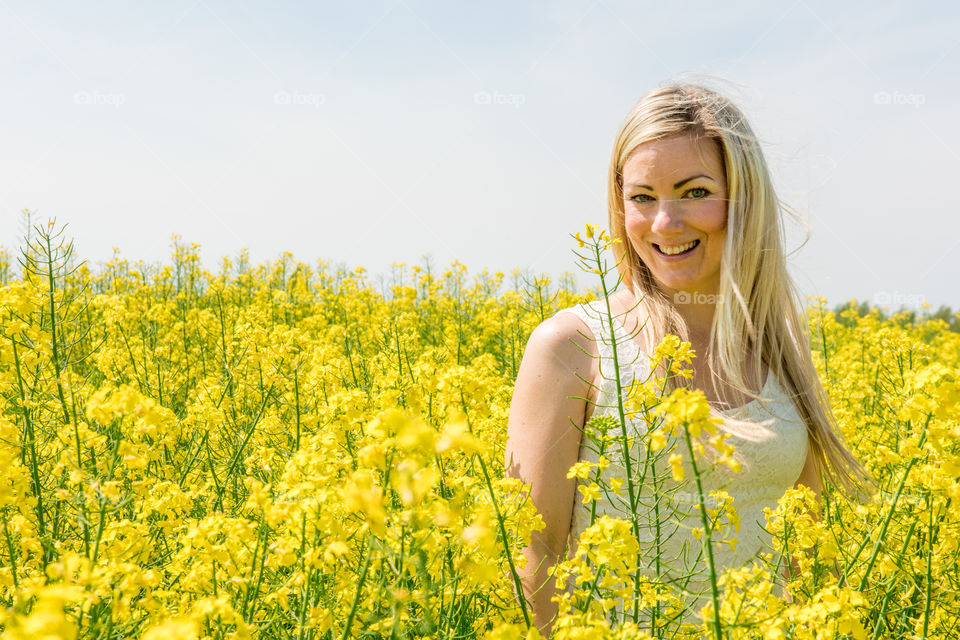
{"x": 289, "y": 450}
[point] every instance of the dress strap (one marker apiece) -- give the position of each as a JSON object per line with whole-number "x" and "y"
{"x": 589, "y": 317}
{"x": 595, "y": 317}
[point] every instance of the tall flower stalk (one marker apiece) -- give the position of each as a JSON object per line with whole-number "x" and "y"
{"x": 640, "y": 430}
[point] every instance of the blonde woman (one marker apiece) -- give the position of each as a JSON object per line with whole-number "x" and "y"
{"x": 701, "y": 256}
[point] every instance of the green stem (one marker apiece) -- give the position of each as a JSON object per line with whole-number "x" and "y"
{"x": 12, "y": 552}
{"x": 707, "y": 540}
{"x": 359, "y": 594}
{"x": 503, "y": 530}
{"x": 31, "y": 446}
{"x": 53, "y": 332}
{"x": 880, "y": 535}
{"x": 926, "y": 608}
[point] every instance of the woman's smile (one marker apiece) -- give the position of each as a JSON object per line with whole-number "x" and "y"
{"x": 677, "y": 250}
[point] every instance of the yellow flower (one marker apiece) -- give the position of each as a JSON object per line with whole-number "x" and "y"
{"x": 456, "y": 436}
{"x": 676, "y": 466}
{"x": 590, "y": 492}
{"x": 616, "y": 485}
{"x": 657, "y": 440}
{"x": 176, "y": 629}
{"x": 732, "y": 463}
{"x": 580, "y": 470}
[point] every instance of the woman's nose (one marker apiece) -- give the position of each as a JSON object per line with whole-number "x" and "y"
{"x": 668, "y": 217}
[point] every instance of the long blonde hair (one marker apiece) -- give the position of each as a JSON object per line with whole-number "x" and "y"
{"x": 759, "y": 310}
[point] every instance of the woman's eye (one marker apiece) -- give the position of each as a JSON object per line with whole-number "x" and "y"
{"x": 695, "y": 194}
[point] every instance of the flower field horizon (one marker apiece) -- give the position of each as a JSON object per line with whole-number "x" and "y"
{"x": 283, "y": 451}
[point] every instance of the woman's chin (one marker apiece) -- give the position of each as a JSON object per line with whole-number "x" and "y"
{"x": 674, "y": 284}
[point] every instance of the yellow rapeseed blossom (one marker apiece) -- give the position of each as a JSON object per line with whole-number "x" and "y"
{"x": 580, "y": 470}
{"x": 589, "y": 492}
{"x": 291, "y": 449}
{"x": 676, "y": 466}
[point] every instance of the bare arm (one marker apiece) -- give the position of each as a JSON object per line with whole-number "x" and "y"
{"x": 543, "y": 441}
{"x": 809, "y": 477}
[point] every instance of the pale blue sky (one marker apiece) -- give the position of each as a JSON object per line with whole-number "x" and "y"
{"x": 374, "y": 132}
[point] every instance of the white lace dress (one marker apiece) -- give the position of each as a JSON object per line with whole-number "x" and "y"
{"x": 772, "y": 450}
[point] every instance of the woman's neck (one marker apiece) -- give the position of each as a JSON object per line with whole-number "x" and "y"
{"x": 699, "y": 320}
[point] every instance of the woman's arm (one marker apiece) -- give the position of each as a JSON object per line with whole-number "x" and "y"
{"x": 810, "y": 477}
{"x": 543, "y": 442}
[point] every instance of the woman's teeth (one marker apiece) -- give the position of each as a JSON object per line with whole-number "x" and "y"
{"x": 677, "y": 250}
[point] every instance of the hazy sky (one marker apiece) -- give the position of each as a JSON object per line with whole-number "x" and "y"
{"x": 375, "y": 132}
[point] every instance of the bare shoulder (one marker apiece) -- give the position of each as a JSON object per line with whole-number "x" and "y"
{"x": 564, "y": 335}
{"x": 554, "y": 379}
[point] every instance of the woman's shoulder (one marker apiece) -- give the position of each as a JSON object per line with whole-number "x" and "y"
{"x": 568, "y": 325}
{"x": 580, "y": 321}
{"x": 559, "y": 346}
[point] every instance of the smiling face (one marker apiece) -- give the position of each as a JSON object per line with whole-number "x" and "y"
{"x": 675, "y": 211}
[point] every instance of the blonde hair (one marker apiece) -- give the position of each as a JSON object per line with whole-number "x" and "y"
{"x": 759, "y": 310}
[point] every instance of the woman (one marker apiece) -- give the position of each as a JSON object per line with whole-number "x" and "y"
{"x": 701, "y": 256}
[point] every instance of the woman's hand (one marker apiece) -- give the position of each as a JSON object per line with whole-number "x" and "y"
{"x": 543, "y": 442}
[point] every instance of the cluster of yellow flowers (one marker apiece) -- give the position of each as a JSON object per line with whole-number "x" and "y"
{"x": 287, "y": 450}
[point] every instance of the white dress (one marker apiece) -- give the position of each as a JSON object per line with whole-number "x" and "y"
{"x": 772, "y": 454}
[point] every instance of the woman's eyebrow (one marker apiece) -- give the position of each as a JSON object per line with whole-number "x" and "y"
{"x": 676, "y": 186}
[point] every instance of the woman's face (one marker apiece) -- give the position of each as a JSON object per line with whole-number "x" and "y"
{"x": 675, "y": 213}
